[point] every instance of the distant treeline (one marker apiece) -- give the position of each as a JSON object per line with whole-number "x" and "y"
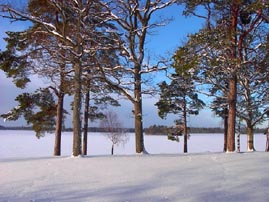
{"x": 100, "y": 130}
{"x": 91, "y": 129}
{"x": 163, "y": 130}
{"x": 152, "y": 130}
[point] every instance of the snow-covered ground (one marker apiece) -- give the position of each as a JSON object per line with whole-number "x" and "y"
{"x": 28, "y": 172}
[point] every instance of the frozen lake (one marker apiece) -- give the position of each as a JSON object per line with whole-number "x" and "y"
{"x": 20, "y": 143}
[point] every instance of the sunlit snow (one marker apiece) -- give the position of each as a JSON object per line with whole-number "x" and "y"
{"x": 29, "y": 173}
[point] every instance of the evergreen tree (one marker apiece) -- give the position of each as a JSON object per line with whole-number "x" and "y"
{"x": 220, "y": 46}
{"x": 40, "y": 56}
{"x": 13, "y": 61}
{"x": 253, "y": 101}
{"x": 179, "y": 97}
{"x": 38, "y": 109}
{"x": 76, "y": 27}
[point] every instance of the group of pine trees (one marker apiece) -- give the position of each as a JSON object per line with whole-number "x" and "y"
{"x": 95, "y": 50}
{"x": 229, "y": 55}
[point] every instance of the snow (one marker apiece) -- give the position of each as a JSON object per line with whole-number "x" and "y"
{"x": 18, "y": 144}
{"x": 29, "y": 173}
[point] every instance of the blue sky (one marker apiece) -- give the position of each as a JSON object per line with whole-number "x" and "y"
{"x": 164, "y": 41}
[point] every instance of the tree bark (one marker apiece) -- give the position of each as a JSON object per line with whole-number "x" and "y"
{"x": 139, "y": 127}
{"x": 225, "y": 129}
{"x": 238, "y": 136}
{"x": 250, "y": 137}
{"x": 85, "y": 127}
{"x": 267, "y": 141}
{"x": 59, "y": 121}
{"x": 77, "y": 89}
{"x": 138, "y": 112}
{"x": 232, "y": 92}
{"x": 185, "y": 129}
{"x": 231, "y": 114}
{"x": 76, "y": 112}
{"x": 238, "y": 141}
{"x": 250, "y": 133}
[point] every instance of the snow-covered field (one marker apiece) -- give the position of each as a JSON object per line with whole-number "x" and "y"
{"x": 24, "y": 144}
{"x": 29, "y": 173}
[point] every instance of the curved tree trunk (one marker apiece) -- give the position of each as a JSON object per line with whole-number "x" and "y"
{"x": 59, "y": 121}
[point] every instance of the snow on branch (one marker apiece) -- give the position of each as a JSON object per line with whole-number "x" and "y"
{"x": 50, "y": 28}
{"x": 156, "y": 6}
{"x": 154, "y": 68}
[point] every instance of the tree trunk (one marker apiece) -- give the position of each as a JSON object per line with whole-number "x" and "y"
{"x": 250, "y": 137}
{"x": 185, "y": 129}
{"x": 250, "y": 133}
{"x": 139, "y": 127}
{"x": 225, "y": 129}
{"x": 85, "y": 128}
{"x": 112, "y": 149}
{"x": 59, "y": 121}
{"x": 232, "y": 92}
{"x": 267, "y": 142}
{"x": 238, "y": 141}
{"x": 138, "y": 112}
{"x": 231, "y": 114}
{"x": 77, "y": 89}
{"x": 76, "y": 112}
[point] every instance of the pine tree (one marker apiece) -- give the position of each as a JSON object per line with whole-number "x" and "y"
{"x": 179, "y": 97}
{"x": 39, "y": 55}
{"x": 38, "y": 109}
{"x": 220, "y": 46}
{"x": 75, "y": 26}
